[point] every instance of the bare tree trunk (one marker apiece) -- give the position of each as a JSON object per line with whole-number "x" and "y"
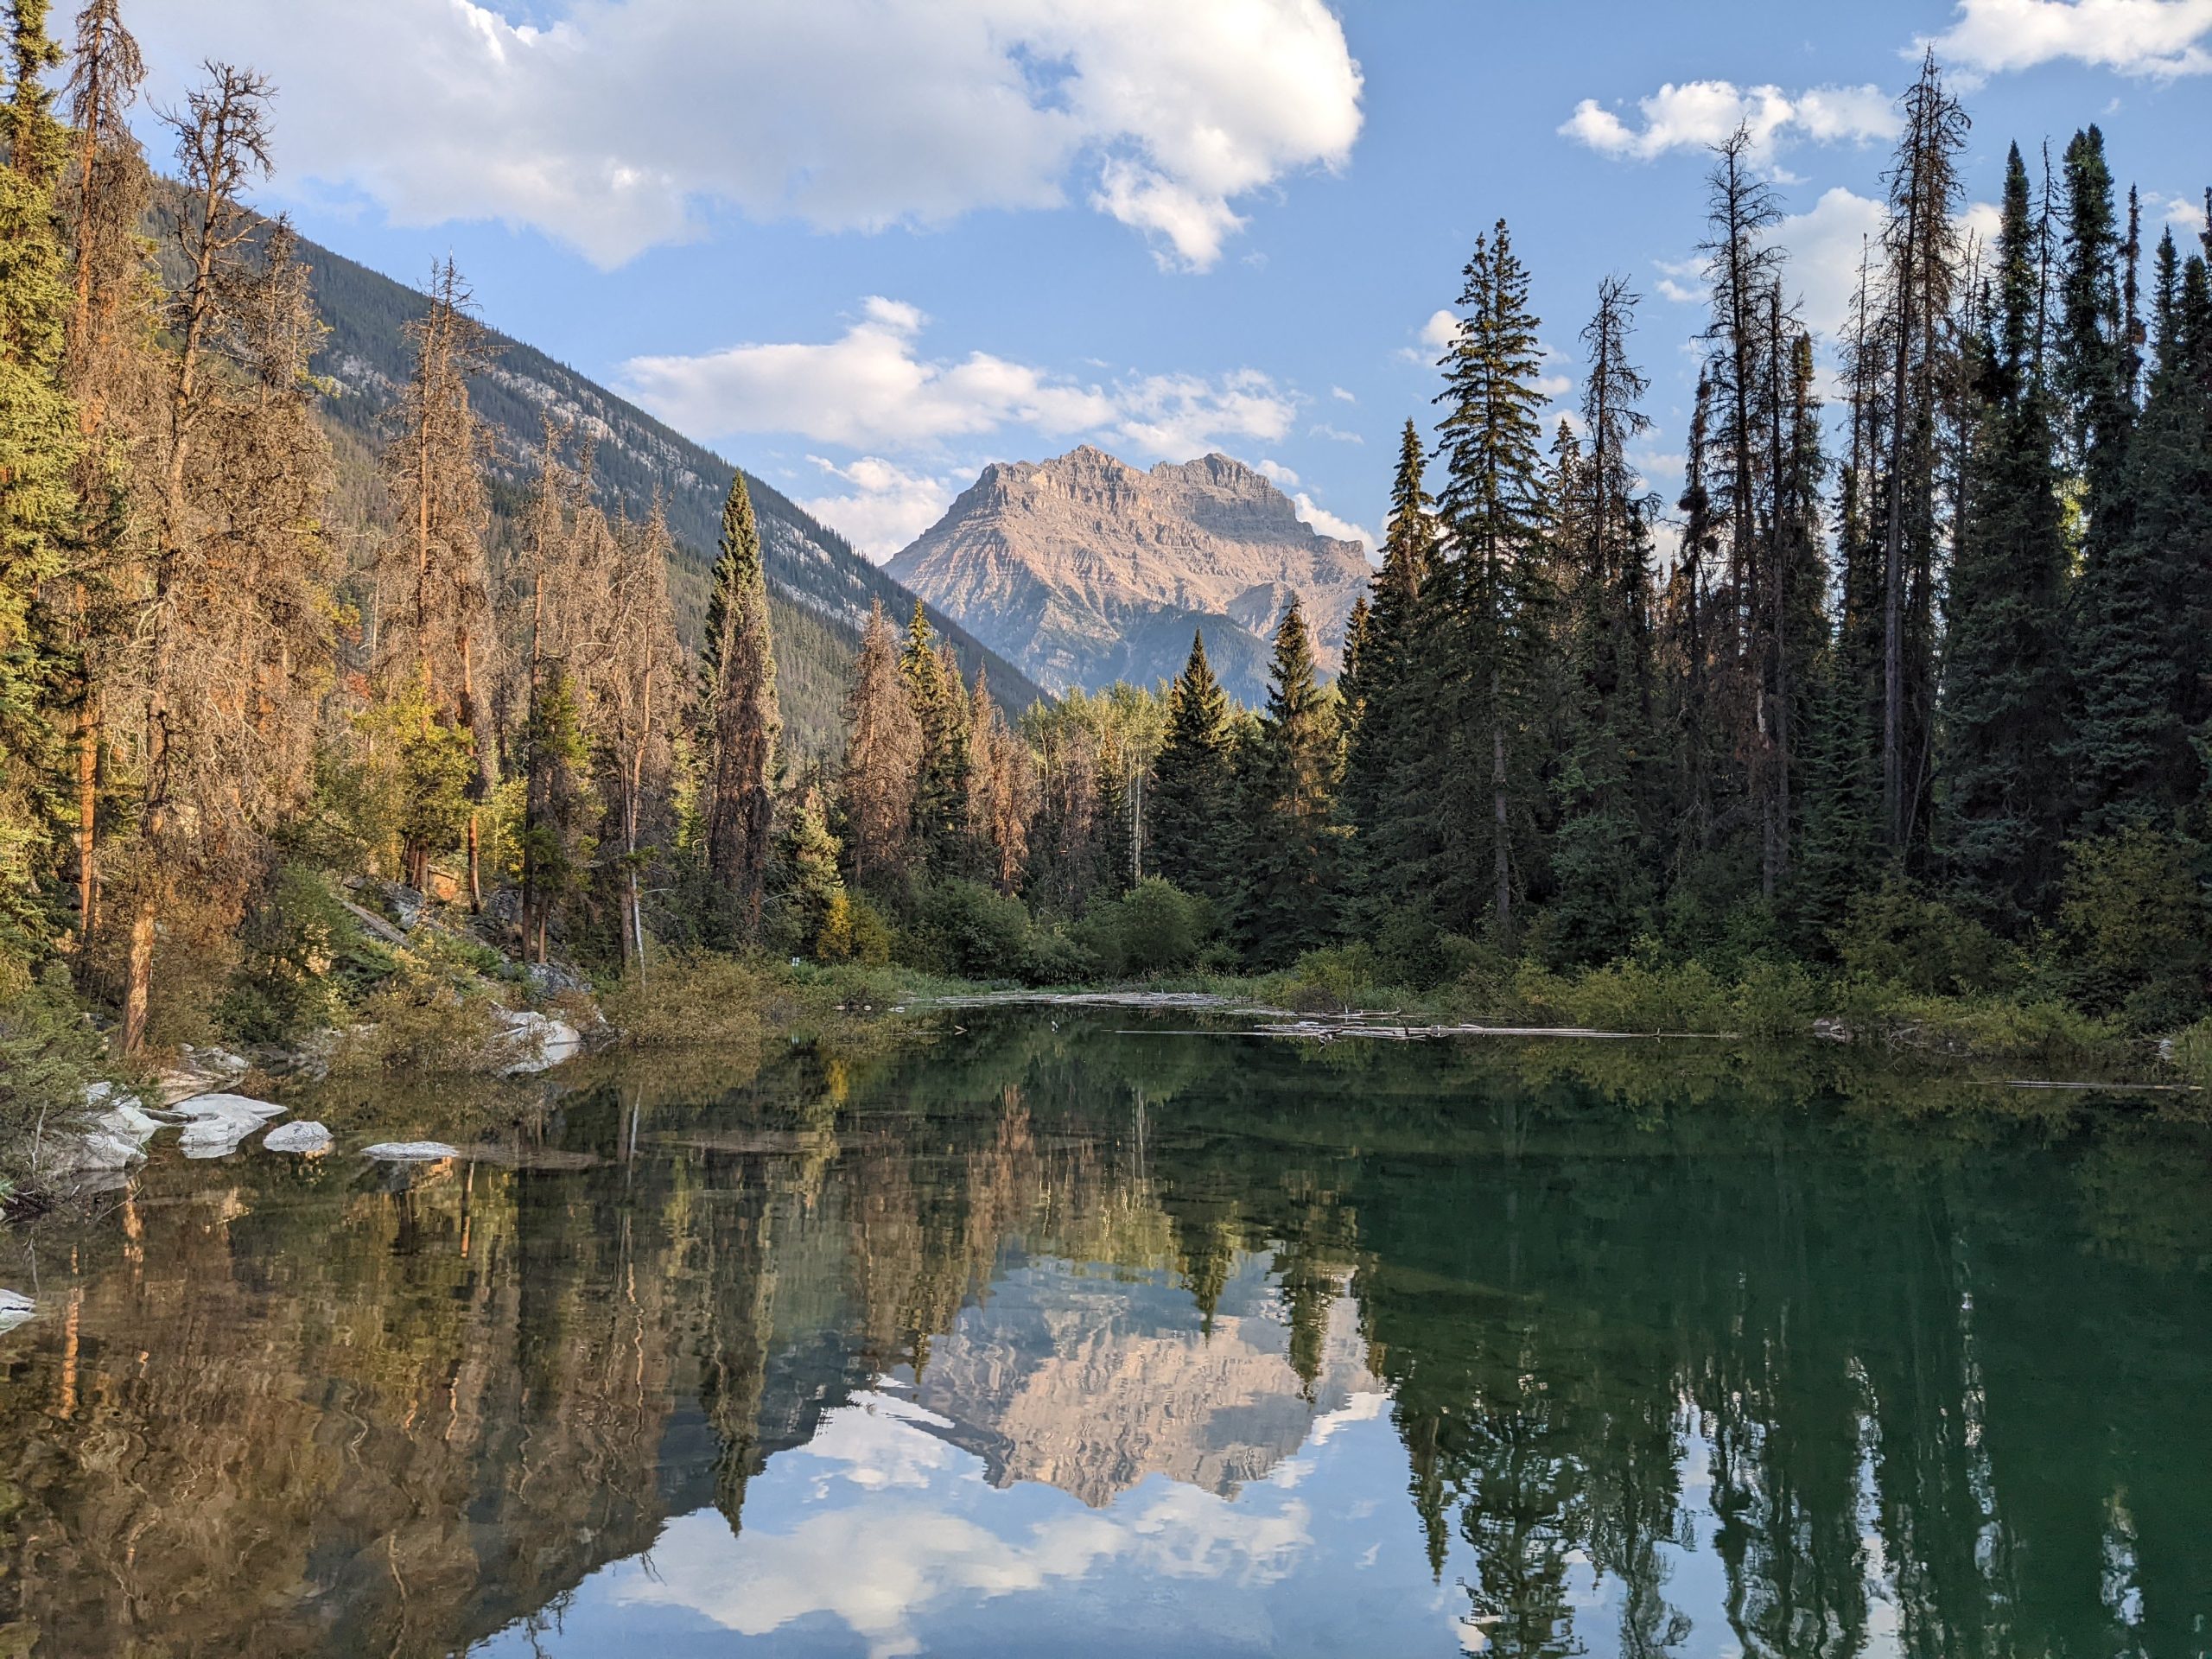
{"x": 1501, "y": 858}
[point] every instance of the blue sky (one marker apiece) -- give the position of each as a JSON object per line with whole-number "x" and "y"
{"x": 866, "y": 246}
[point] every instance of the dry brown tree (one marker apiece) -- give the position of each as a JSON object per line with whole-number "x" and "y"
{"x": 883, "y": 752}
{"x": 231, "y": 627}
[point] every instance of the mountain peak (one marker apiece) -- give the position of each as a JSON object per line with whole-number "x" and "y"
{"x": 1084, "y": 570}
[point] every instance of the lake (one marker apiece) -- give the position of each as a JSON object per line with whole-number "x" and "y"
{"x": 1087, "y": 1333}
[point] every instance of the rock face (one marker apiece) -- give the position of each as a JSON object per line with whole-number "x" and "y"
{"x": 1084, "y": 570}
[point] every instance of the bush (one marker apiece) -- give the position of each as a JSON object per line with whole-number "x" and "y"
{"x": 300, "y": 951}
{"x": 855, "y": 930}
{"x": 701, "y": 998}
{"x": 1154, "y": 928}
{"x": 1776, "y": 1000}
{"x": 2133, "y": 930}
{"x": 2014, "y": 1027}
{"x": 1894, "y": 936}
{"x": 1639, "y": 994}
{"x": 2189, "y": 1053}
{"x": 1325, "y": 981}
{"x": 49, "y": 1054}
{"x": 422, "y": 1018}
{"x": 965, "y": 929}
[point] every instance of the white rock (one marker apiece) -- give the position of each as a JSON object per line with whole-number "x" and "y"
{"x": 110, "y": 1139}
{"x": 410, "y": 1152}
{"x": 215, "y": 1124}
{"x": 538, "y": 1042}
{"x": 309, "y": 1139}
{"x": 14, "y": 1308}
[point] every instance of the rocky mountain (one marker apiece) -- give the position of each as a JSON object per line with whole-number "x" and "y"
{"x": 820, "y": 589}
{"x": 1084, "y": 570}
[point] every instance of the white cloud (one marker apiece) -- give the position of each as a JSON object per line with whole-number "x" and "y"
{"x": 1435, "y": 335}
{"x": 1329, "y": 524}
{"x": 1276, "y": 473}
{"x": 886, "y": 506}
{"x": 1333, "y": 434}
{"x": 1698, "y": 114}
{"x": 871, "y": 389}
{"x": 2159, "y": 38}
{"x": 1825, "y": 244}
{"x": 842, "y": 114}
{"x": 2186, "y": 213}
{"x": 1342, "y": 396}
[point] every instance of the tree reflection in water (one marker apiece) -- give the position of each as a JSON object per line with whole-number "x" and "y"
{"x": 1661, "y": 1351}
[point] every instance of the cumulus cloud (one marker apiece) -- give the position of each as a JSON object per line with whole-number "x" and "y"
{"x": 873, "y": 390}
{"x": 1329, "y": 524}
{"x": 1435, "y": 335}
{"x": 1698, "y": 114}
{"x": 841, "y": 114}
{"x": 883, "y": 506}
{"x": 2156, "y": 38}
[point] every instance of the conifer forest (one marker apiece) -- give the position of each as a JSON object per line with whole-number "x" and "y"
{"x": 1908, "y": 694}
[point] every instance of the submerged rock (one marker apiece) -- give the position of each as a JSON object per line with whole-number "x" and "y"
{"x": 107, "y": 1139}
{"x": 309, "y": 1139}
{"x": 14, "y": 1308}
{"x": 215, "y": 1124}
{"x": 410, "y": 1152}
{"x": 538, "y": 1042}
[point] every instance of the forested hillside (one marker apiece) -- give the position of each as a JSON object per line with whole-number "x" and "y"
{"x": 820, "y": 587}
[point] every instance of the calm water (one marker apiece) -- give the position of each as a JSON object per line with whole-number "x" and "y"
{"x": 1040, "y": 1337}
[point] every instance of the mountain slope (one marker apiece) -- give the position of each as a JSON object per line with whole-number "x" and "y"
{"x": 1085, "y": 570}
{"x": 820, "y": 589}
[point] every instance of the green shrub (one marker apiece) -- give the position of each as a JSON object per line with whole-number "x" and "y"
{"x": 1333, "y": 981}
{"x": 2189, "y": 1053}
{"x": 855, "y": 930}
{"x": 1154, "y": 928}
{"x": 2133, "y": 935}
{"x": 701, "y": 998}
{"x": 1893, "y": 936}
{"x": 965, "y": 929}
{"x": 1639, "y": 994}
{"x": 422, "y": 1018}
{"x": 300, "y": 951}
{"x": 1776, "y": 1000}
{"x": 49, "y": 1054}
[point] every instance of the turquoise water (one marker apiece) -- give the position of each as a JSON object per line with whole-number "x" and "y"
{"x": 1045, "y": 1335}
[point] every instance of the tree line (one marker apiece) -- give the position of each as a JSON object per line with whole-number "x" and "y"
{"x": 1935, "y": 672}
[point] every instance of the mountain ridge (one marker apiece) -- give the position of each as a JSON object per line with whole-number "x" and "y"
{"x": 1085, "y": 570}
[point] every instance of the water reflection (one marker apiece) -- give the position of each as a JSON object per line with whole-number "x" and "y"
{"x": 1036, "y": 1339}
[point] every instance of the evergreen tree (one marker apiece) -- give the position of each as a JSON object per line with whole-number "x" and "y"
{"x": 1284, "y": 904}
{"x": 2005, "y": 656}
{"x": 2146, "y": 594}
{"x": 806, "y": 894}
{"x": 883, "y": 752}
{"x": 1484, "y": 614}
{"x": 1193, "y": 805}
{"x": 39, "y": 445}
{"x": 941, "y": 711}
{"x": 739, "y": 699}
{"x": 1600, "y": 857}
{"x": 1387, "y": 752}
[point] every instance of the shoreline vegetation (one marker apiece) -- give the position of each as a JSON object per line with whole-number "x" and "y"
{"x": 1895, "y": 732}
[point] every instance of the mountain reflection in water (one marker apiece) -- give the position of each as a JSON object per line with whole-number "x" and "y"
{"x": 1054, "y": 1340}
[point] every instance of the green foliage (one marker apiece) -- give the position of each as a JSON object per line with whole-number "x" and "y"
{"x": 49, "y": 1054}
{"x": 701, "y": 998}
{"x": 1193, "y": 795}
{"x": 1153, "y": 928}
{"x": 855, "y": 930}
{"x": 2189, "y": 1053}
{"x": 2135, "y": 934}
{"x": 432, "y": 1013}
{"x": 1285, "y": 901}
{"x": 808, "y": 912}
{"x": 1894, "y": 937}
{"x": 301, "y": 954}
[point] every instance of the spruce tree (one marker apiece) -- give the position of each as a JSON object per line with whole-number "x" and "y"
{"x": 2005, "y": 656}
{"x": 1284, "y": 904}
{"x": 744, "y": 724}
{"x": 1387, "y": 750}
{"x": 1192, "y": 798}
{"x": 883, "y": 752}
{"x": 941, "y": 711}
{"x": 39, "y": 445}
{"x": 1484, "y": 627}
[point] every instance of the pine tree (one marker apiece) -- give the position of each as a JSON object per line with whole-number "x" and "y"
{"x": 1284, "y": 904}
{"x": 739, "y": 694}
{"x": 805, "y": 892}
{"x": 1193, "y": 787}
{"x": 883, "y": 752}
{"x": 1387, "y": 751}
{"x": 1921, "y": 249}
{"x": 1484, "y": 626}
{"x": 940, "y": 820}
{"x": 1600, "y": 857}
{"x": 39, "y": 447}
{"x": 2146, "y": 593}
{"x": 2004, "y": 678}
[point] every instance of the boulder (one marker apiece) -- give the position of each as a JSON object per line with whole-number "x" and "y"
{"x": 537, "y": 1042}
{"x": 200, "y": 1071}
{"x": 215, "y": 1124}
{"x": 14, "y": 1308}
{"x": 409, "y": 1152}
{"x": 111, "y": 1136}
{"x": 309, "y": 1139}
